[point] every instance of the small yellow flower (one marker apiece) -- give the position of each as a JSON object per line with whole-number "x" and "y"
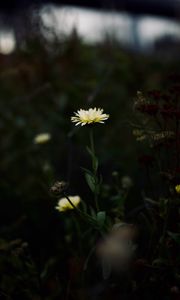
{"x": 64, "y": 204}
{"x": 93, "y": 115}
{"x": 177, "y": 188}
{"x": 42, "y": 138}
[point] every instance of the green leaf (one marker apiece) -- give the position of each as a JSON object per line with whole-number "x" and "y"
{"x": 90, "y": 181}
{"x": 93, "y": 213}
{"x": 101, "y": 216}
{"x": 95, "y": 163}
{"x": 87, "y": 171}
{"x": 89, "y": 151}
{"x": 94, "y": 159}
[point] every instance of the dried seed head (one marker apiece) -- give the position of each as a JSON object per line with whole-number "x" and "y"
{"x": 139, "y": 100}
{"x": 58, "y": 188}
{"x": 163, "y": 135}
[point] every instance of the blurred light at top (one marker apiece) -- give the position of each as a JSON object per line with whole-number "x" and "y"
{"x": 94, "y": 25}
{"x": 138, "y": 32}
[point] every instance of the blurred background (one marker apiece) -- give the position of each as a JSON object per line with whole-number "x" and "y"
{"x": 136, "y": 25}
{"x": 57, "y": 57}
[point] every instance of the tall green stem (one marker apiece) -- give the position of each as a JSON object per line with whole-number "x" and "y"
{"x": 92, "y": 141}
{"x": 94, "y": 167}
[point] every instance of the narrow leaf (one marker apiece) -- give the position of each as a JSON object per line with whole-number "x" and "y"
{"x": 101, "y": 216}
{"x": 90, "y": 181}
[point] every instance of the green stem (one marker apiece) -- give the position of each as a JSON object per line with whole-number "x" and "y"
{"x": 94, "y": 168}
{"x": 92, "y": 141}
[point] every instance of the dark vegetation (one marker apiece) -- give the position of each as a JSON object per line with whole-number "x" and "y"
{"x": 42, "y": 252}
